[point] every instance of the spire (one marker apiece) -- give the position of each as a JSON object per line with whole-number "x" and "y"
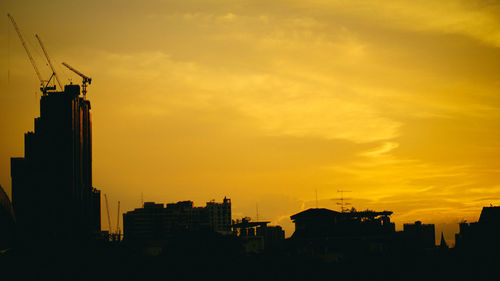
{"x": 443, "y": 244}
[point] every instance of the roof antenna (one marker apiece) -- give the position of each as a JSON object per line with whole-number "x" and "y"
{"x": 342, "y": 199}
{"x": 257, "y": 209}
{"x": 316, "y": 190}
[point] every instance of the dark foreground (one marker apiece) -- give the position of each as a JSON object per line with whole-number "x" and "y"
{"x": 119, "y": 262}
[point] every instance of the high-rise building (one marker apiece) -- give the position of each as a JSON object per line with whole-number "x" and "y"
{"x": 7, "y": 221}
{"x": 52, "y": 192}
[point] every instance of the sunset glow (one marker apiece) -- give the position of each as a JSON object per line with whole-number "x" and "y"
{"x": 267, "y": 102}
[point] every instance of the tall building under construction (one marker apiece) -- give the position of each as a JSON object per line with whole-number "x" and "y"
{"x": 52, "y": 192}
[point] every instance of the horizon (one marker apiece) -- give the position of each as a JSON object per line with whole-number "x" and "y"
{"x": 277, "y": 106}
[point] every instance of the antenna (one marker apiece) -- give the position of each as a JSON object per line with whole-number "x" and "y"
{"x": 257, "y": 209}
{"x": 8, "y": 53}
{"x": 316, "y": 197}
{"x": 118, "y": 220}
{"x": 342, "y": 199}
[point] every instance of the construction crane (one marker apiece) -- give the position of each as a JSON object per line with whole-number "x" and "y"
{"x": 26, "y": 48}
{"x": 118, "y": 221}
{"x": 48, "y": 60}
{"x": 107, "y": 210}
{"x": 85, "y": 78}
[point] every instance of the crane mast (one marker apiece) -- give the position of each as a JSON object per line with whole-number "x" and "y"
{"x": 118, "y": 221}
{"x": 107, "y": 210}
{"x": 85, "y": 78}
{"x": 26, "y": 49}
{"x": 48, "y": 60}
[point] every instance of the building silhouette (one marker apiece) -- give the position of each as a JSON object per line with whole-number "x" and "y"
{"x": 52, "y": 192}
{"x": 7, "y": 221}
{"x": 419, "y": 236}
{"x": 334, "y": 235}
{"x": 219, "y": 215}
{"x": 155, "y": 222}
{"x": 258, "y": 236}
{"x": 482, "y": 236}
{"x": 324, "y": 222}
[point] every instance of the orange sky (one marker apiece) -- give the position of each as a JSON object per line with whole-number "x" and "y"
{"x": 267, "y": 101}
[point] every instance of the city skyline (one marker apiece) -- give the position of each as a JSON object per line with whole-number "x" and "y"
{"x": 267, "y": 103}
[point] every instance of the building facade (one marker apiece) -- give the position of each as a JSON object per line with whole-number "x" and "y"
{"x": 52, "y": 192}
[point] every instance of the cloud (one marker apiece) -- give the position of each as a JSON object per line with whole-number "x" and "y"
{"x": 477, "y": 20}
{"x": 385, "y": 148}
{"x": 279, "y": 104}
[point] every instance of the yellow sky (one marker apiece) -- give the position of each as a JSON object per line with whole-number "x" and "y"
{"x": 267, "y": 101}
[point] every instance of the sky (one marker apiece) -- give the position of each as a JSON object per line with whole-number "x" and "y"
{"x": 274, "y": 103}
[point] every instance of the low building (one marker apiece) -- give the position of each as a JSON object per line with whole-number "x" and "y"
{"x": 331, "y": 234}
{"x": 258, "y": 236}
{"x": 273, "y": 235}
{"x": 323, "y": 222}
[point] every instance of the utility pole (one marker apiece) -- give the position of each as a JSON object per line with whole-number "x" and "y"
{"x": 118, "y": 220}
{"x": 316, "y": 190}
{"x": 257, "y": 210}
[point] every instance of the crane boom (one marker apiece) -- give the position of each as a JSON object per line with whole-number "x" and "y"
{"x": 107, "y": 210}
{"x": 26, "y": 49}
{"x": 85, "y": 78}
{"x": 78, "y": 72}
{"x": 48, "y": 60}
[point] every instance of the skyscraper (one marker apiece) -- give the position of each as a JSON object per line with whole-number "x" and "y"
{"x": 52, "y": 192}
